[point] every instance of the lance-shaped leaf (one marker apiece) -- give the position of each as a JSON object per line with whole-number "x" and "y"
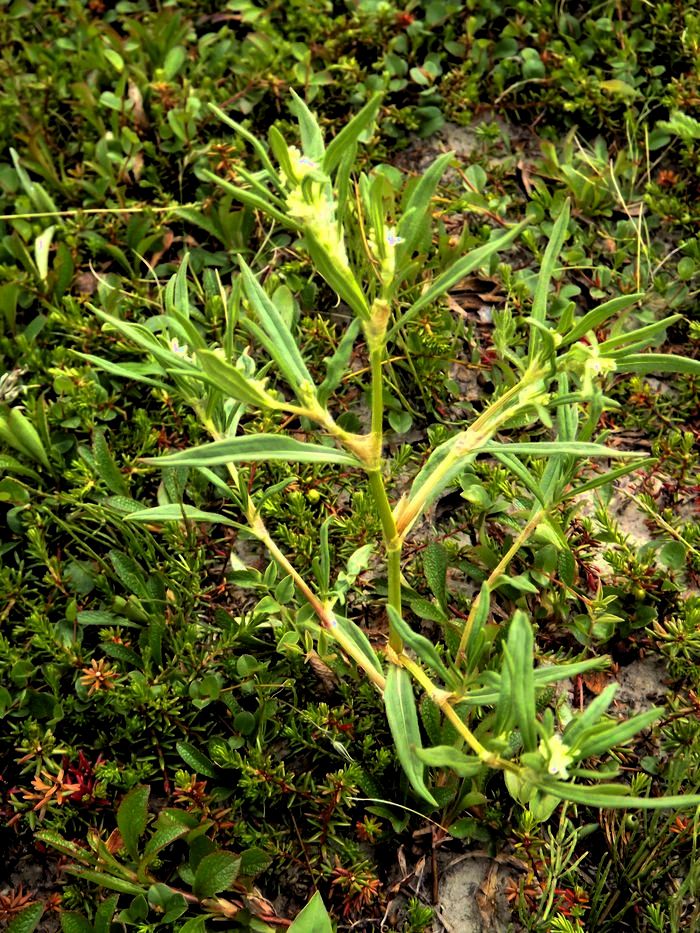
{"x": 233, "y": 383}
{"x": 456, "y": 272}
{"x": 252, "y": 448}
{"x": 311, "y": 136}
{"x": 144, "y": 338}
{"x": 349, "y": 136}
{"x": 580, "y": 449}
{"x": 251, "y": 199}
{"x": 518, "y": 468}
{"x": 176, "y": 297}
{"x": 505, "y": 708}
{"x": 340, "y": 278}
{"x": 249, "y": 138}
{"x": 337, "y": 365}
{"x": 598, "y": 316}
{"x": 520, "y": 649}
{"x": 614, "y": 796}
{"x": 653, "y": 363}
{"x": 541, "y": 296}
{"x": 443, "y": 466}
{"x": 601, "y": 738}
{"x": 609, "y": 477}
{"x": 178, "y": 512}
{"x": 640, "y": 337}
{"x": 447, "y": 756}
{"x": 359, "y": 639}
{"x": 280, "y": 343}
{"x": 422, "y": 646}
{"x": 136, "y": 372}
{"x": 402, "y": 716}
{"x": 417, "y": 210}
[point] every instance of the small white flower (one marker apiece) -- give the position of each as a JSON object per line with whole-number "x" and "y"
{"x": 558, "y": 757}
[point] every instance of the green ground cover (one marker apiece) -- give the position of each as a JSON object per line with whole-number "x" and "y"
{"x": 307, "y": 660}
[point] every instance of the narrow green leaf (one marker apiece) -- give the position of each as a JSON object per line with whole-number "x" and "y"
{"x": 313, "y": 918}
{"x": 250, "y": 199}
{"x": 284, "y": 349}
{"x": 557, "y": 449}
{"x": 138, "y": 372}
{"x": 402, "y": 716}
{"x": 600, "y": 739}
{"x": 337, "y": 365}
{"x": 615, "y": 797}
{"x": 178, "y": 512}
{"x": 350, "y": 133}
{"x": 457, "y": 271}
{"x": 447, "y": 756}
{"x": 518, "y": 468}
{"x": 598, "y": 316}
{"x": 505, "y": 708}
{"x": 53, "y": 839}
{"x": 422, "y": 646}
{"x": 355, "y": 634}
{"x": 551, "y": 673}
{"x": 107, "y": 881}
{"x": 640, "y": 336}
{"x": 129, "y": 573}
{"x": 196, "y": 760}
{"x": 255, "y": 447}
{"x": 653, "y": 363}
{"x": 416, "y": 212}
{"x": 609, "y": 476}
{"x": 42, "y": 247}
{"x": 103, "y": 618}
{"x": 249, "y": 138}
{"x": 216, "y": 873}
{"x": 521, "y": 645}
{"x": 232, "y": 382}
{"x": 340, "y": 278}
{"x": 41, "y": 200}
{"x": 132, "y": 818}
{"x": 12, "y": 465}
{"x": 176, "y": 296}
{"x": 311, "y": 136}
{"x": 549, "y": 261}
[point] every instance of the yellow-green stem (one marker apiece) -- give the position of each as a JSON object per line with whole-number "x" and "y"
{"x": 493, "y": 577}
{"x": 442, "y": 699}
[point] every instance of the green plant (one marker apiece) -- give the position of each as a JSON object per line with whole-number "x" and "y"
{"x": 365, "y": 244}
